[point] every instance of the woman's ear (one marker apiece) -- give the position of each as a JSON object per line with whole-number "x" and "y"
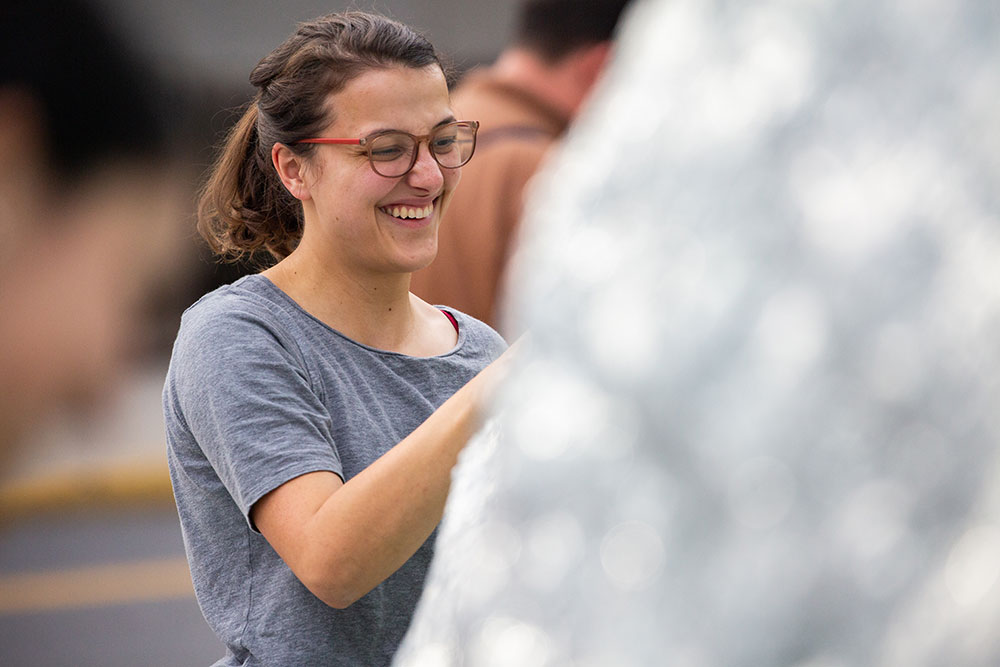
{"x": 290, "y": 169}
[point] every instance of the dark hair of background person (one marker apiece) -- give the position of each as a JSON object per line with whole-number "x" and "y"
{"x": 244, "y": 209}
{"x": 97, "y": 101}
{"x": 556, "y": 28}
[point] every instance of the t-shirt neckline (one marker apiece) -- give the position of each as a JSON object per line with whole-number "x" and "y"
{"x": 289, "y": 302}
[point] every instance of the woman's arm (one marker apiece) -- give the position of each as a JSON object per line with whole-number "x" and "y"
{"x": 343, "y": 539}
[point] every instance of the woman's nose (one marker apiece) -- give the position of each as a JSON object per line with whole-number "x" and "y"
{"x": 426, "y": 172}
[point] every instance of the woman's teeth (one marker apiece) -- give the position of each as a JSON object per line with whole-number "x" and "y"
{"x": 408, "y": 212}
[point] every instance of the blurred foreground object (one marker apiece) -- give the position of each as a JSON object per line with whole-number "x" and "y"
{"x": 89, "y": 208}
{"x": 759, "y": 424}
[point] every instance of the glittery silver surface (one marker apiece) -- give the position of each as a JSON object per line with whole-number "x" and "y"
{"x": 759, "y": 417}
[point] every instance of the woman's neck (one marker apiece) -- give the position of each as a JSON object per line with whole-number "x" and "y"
{"x": 376, "y": 310}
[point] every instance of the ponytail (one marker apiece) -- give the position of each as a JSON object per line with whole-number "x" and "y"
{"x": 244, "y": 208}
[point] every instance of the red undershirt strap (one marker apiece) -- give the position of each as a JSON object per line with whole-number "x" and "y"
{"x": 451, "y": 317}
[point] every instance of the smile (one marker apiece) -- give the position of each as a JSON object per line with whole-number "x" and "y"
{"x": 408, "y": 212}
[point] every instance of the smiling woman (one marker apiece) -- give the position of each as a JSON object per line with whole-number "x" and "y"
{"x": 315, "y": 410}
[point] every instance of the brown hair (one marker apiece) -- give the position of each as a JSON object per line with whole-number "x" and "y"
{"x": 244, "y": 207}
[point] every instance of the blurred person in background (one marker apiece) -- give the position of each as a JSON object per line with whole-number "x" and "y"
{"x": 524, "y": 103}
{"x": 86, "y": 208}
{"x": 314, "y": 410}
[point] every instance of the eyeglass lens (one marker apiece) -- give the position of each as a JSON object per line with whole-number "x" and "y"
{"x": 394, "y": 153}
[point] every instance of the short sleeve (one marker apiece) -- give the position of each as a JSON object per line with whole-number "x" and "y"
{"x": 240, "y": 406}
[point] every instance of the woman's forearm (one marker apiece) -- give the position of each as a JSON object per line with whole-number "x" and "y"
{"x": 371, "y": 525}
{"x": 343, "y": 539}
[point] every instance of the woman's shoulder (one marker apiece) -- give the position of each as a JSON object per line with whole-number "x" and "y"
{"x": 249, "y": 308}
{"x": 249, "y": 295}
{"x": 476, "y": 334}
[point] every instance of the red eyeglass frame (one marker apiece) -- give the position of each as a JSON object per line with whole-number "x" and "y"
{"x": 417, "y": 139}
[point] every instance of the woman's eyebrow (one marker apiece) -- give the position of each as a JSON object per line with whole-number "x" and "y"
{"x": 449, "y": 119}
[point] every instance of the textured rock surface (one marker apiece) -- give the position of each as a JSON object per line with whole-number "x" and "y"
{"x": 759, "y": 420}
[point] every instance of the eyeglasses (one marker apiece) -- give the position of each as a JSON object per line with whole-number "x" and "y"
{"x": 393, "y": 153}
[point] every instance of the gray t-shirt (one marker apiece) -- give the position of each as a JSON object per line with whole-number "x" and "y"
{"x": 260, "y": 392}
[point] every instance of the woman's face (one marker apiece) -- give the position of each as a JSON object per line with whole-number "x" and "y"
{"x": 363, "y": 220}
